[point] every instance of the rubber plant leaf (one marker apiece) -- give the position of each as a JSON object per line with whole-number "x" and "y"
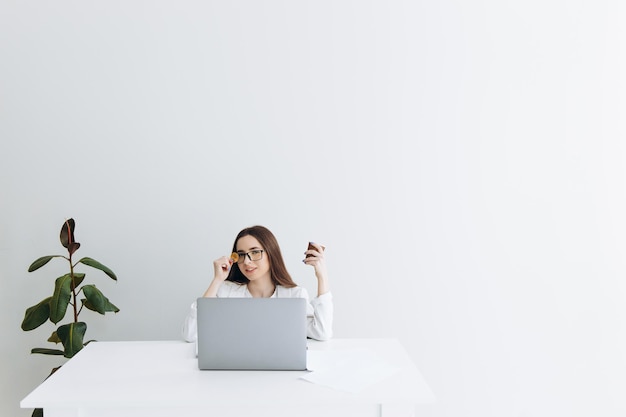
{"x": 111, "y": 307}
{"x": 41, "y": 262}
{"x": 67, "y": 236}
{"x": 73, "y": 247}
{"x": 95, "y": 298}
{"x": 60, "y": 298}
{"x": 95, "y": 264}
{"x": 67, "y": 233}
{"x": 108, "y": 306}
{"x": 71, "y": 336}
{"x": 54, "y": 338}
{"x": 36, "y": 315}
{"x": 78, "y": 279}
{"x": 45, "y": 351}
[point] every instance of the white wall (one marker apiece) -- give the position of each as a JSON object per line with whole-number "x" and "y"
{"x": 462, "y": 161}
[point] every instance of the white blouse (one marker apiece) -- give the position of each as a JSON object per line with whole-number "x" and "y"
{"x": 319, "y": 309}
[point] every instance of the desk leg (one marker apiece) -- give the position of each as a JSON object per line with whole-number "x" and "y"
{"x": 397, "y": 410}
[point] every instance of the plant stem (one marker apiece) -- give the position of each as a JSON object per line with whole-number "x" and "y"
{"x": 73, "y": 289}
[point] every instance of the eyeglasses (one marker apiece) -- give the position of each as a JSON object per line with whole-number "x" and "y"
{"x": 253, "y": 255}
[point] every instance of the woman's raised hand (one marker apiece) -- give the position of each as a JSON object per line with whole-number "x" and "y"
{"x": 221, "y": 268}
{"x": 314, "y": 256}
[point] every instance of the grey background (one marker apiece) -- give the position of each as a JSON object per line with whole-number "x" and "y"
{"x": 461, "y": 160}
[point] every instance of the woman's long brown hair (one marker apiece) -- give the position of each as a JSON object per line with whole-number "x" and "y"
{"x": 278, "y": 270}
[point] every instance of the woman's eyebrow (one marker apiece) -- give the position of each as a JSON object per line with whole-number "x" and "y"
{"x": 252, "y": 248}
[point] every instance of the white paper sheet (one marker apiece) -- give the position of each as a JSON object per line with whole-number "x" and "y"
{"x": 347, "y": 370}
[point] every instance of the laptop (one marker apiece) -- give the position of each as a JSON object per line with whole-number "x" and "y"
{"x": 252, "y": 333}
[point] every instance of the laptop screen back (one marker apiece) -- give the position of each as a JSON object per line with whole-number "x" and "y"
{"x": 252, "y": 333}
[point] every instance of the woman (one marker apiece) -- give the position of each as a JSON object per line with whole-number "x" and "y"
{"x": 258, "y": 270}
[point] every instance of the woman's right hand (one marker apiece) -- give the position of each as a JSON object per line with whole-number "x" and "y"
{"x": 221, "y": 268}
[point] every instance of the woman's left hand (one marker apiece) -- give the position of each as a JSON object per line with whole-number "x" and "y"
{"x": 315, "y": 257}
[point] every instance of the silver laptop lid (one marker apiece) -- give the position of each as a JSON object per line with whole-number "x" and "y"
{"x": 252, "y": 333}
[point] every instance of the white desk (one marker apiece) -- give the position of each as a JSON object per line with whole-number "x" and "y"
{"x": 158, "y": 379}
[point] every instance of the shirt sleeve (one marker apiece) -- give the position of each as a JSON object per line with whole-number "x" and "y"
{"x": 320, "y": 316}
{"x": 190, "y": 325}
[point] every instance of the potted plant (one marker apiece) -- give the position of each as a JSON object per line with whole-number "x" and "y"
{"x": 67, "y": 290}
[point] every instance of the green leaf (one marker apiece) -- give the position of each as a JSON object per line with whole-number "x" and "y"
{"x": 71, "y": 336}
{"x": 54, "y": 338}
{"x": 111, "y": 307}
{"x": 108, "y": 306}
{"x": 45, "y": 351}
{"x": 60, "y": 298}
{"x": 78, "y": 279}
{"x": 95, "y": 298}
{"x": 36, "y": 315}
{"x": 95, "y": 264}
{"x": 41, "y": 262}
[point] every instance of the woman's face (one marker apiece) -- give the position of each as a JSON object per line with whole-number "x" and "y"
{"x": 253, "y": 270}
